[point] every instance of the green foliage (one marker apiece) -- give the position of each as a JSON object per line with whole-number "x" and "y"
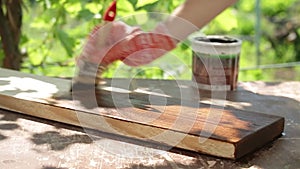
{"x": 54, "y": 32}
{"x": 279, "y": 20}
{"x": 224, "y": 23}
{"x": 67, "y": 42}
{"x": 274, "y": 8}
{"x": 250, "y": 75}
{"x": 57, "y": 30}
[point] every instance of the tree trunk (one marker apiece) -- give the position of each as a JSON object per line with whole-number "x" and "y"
{"x": 10, "y": 32}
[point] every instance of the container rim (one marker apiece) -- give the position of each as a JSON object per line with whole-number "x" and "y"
{"x": 227, "y": 40}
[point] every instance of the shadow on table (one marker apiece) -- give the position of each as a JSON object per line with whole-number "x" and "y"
{"x": 57, "y": 141}
{"x": 54, "y": 139}
{"x": 7, "y": 123}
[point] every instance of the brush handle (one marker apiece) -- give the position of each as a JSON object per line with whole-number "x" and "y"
{"x": 109, "y": 16}
{"x": 111, "y": 12}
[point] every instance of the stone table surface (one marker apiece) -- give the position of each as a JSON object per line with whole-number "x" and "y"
{"x": 29, "y": 142}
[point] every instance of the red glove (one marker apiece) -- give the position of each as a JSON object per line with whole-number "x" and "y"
{"x": 129, "y": 44}
{"x": 101, "y": 39}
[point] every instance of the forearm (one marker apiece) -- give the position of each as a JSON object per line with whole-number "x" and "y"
{"x": 193, "y": 15}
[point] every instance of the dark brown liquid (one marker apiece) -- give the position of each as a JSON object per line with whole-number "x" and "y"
{"x": 216, "y": 40}
{"x": 216, "y": 71}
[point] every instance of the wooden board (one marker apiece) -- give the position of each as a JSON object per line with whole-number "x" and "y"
{"x": 154, "y": 112}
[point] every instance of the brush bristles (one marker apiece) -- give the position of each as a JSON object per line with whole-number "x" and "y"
{"x": 89, "y": 74}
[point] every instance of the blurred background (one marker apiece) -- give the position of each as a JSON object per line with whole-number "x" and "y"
{"x": 44, "y": 36}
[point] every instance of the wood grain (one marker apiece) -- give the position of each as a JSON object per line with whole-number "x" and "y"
{"x": 164, "y": 118}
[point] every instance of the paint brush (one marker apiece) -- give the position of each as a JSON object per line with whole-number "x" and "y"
{"x": 89, "y": 73}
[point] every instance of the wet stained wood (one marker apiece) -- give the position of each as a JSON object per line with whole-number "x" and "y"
{"x": 162, "y": 111}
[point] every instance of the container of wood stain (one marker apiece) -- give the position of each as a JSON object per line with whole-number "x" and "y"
{"x": 216, "y": 62}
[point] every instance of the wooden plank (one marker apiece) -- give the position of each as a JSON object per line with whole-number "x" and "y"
{"x": 166, "y": 119}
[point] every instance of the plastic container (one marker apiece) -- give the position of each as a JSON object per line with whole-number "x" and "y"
{"x": 216, "y": 62}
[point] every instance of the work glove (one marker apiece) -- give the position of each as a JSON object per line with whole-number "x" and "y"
{"x": 93, "y": 59}
{"x": 119, "y": 41}
{"x": 102, "y": 39}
